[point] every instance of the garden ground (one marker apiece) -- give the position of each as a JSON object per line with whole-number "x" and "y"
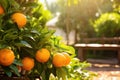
{"x": 107, "y": 69}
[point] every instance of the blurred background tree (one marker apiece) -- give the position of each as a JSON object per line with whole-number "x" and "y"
{"x": 79, "y": 15}
{"x": 108, "y": 23}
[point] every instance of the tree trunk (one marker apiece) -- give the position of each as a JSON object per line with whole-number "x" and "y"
{"x": 76, "y": 32}
{"x": 67, "y": 24}
{"x": 67, "y": 32}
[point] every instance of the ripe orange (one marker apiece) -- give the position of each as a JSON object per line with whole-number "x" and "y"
{"x": 42, "y": 55}
{"x": 20, "y": 19}
{"x": 28, "y": 63}
{"x": 67, "y": 58}
{"x": 59, "y": 60}
{"x": 1, "y": 10}
{"x": 6, "y": 57}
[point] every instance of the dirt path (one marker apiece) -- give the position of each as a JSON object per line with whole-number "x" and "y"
{"x": 107, "y": 69}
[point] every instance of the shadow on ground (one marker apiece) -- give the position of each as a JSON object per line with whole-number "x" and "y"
{"x": 107, "y": 69}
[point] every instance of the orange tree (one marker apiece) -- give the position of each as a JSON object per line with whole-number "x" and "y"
{"x": 28, "y": 48}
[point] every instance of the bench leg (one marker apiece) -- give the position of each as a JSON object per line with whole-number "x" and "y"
{"x": 119, "y": 56}
{"x": 81, "y": 54}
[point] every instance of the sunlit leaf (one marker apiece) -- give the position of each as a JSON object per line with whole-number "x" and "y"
{"x": 61, "y": 73}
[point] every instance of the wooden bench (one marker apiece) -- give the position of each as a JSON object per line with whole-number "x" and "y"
{"x": 98, "y": 44}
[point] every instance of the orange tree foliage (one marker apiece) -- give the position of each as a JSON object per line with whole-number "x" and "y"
{"x": 25, "y": 34}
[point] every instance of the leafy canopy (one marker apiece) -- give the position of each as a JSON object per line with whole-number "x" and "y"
{"x": 108, "y": 25}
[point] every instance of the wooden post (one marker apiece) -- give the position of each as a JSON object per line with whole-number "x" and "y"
{"x": 81, "y": 54}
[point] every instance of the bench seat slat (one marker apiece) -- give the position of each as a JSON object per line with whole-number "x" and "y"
{"x": 98, "y": 46}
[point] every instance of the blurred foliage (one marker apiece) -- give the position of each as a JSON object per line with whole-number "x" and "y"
{"x": 79, "y": 14}
{"x": 116, "y": 5}
{"x": 108, "y": 25}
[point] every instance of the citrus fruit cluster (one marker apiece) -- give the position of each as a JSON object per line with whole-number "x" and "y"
{"x": 24, "y": 35}
{"x": 60, "y": 59}
{"x": 42, "y": 56}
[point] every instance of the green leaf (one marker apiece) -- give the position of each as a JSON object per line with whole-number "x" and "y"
{"x": 44, "y": 39}
{"x": 30, "y": 40}
{"x": 7, "y": 71}
{"x": 35, "y": 32}
{"x": 27, "y": 52}
{"x": 69, "y": 49}
{"x": 23, "y": 44}
{"x": 61, "y": 73}
{"x": 15, "y": 69}
{"x": 39, "y": 68}
{"x": 17, "y": 62}
{"x": 10, "y": 36}
{"x": 14, "y": 4}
